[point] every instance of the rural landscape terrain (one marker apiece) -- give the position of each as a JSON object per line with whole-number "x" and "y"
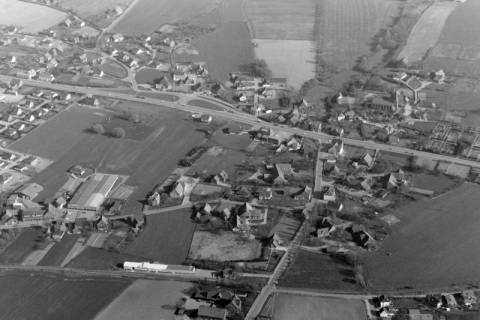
{"x": 239, "y": 159}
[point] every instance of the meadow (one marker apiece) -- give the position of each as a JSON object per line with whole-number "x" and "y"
{"x": 166, "y": 237}
{"x": 146, "y": 300}
{"x": 432, "y": 246}
{"x": 147, "y": 16}
{"x": 28, "y": 241}
{"x": 426, "y": 31}
{"x": 32, "y": 295}
{"x": 33, "y": 18}
{"x": 458, "y": 49}
{"x": 289, "y": 306}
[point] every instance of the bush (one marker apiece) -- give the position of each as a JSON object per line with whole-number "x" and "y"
{"x": 119, "y": 132}
{"x": 98, "y": 128}
{"x": 258, "y": 68}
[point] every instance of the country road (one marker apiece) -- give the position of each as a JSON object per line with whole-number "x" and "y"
{"x": 230, "y": 114}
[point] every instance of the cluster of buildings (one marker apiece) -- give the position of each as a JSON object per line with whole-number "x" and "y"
{"x": 459, "y": 305}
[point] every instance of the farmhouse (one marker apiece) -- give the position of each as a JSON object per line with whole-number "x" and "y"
{"x": 91, "y": 194}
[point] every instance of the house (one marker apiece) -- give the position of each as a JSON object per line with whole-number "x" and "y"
{"x": 206, "y": 118}
{"x": 329, "y": 193}
{"x": 304, "y": 194}
{"x": 178, "y": 191}
{"x": 265, "y": 194}
{"x": 154, "y": 199}
{"x": 26, "y": 74}
{"x": 45, "y": 76}
{"x": 469, "y": 298}
{"x": 381, "y": 104}
{"x": 163, "y": 84}
{"x": 117, "y": 37}
{"x": 438, "y": 76}
{"x": 450, "y": 301}
{"x": 5, "y": 178}
{"x": 29, "y": 191}
{"x": 31, "y": 211}
{"x": 211, "y": 313}
{"x": 367, "y": 160}
{"x": 248, "y": 215}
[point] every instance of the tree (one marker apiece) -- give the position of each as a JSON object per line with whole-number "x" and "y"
{"x": 98, "y": 128}
{"x": 258, "y": 68}
{"x": 119, "y": 132}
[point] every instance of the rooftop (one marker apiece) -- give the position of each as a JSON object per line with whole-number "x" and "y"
{"x": 92, "y": 193}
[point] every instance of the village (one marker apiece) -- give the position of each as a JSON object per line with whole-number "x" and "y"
{"x": 222, "y": 201}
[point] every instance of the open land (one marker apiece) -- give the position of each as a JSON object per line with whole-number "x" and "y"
{"x": 289, "y": 306}
{"x": 223, "y": 246}
{"x": 432, "y": 246}
{"x": 345, "y": 28}
{"x": 59, "y": 251}
{"x": 436, "y": 183}
{"x": 145, "y": 299}
{"x": 458, "y": 49}
{"x": 46, "y": 141}
{"x": 427, "y": 31}
{"x": 145, "y": 161}
{"x": 101, "y": 259}
{"x": 281, "y": 20}
{"x": 28, "y": 241}
{"x": 33, "y": 18}
{"x": 148, "y": 15}
{"x": 304, "y": 273}
{"x": 55, "y": 297}
{"x": 277, "y": 52}
{"x": 225, "y": 49}
{"x": 166, "y": 237}
{"x": 114, "y": 69}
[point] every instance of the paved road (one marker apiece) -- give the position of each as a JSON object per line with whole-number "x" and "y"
{"x": 230, "y": 114}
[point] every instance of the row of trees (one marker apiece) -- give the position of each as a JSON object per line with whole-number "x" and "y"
{"x": 117, "y": 132}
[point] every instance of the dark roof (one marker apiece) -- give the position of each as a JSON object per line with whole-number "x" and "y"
{"x": 209, "y": 312}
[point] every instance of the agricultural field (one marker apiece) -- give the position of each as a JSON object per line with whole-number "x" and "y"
{"x": 426, "y": 31}
{"x": 28, "y": 241}
{"x": 282, "y": 19}
{"x": 147, "y": 16}
{"x": 223, "y": 246}
{"x": 277, "y": 52}
{"x": 225, "y": 49}
{"x": 46, "y": 142}
{"x": 94, "y": 11}
{"x": 59, "y": 251}
{"x": 166, "y": 237}
{"x": 289, "y": 306}
{"x": 55, "y": 297}
{"x": 436, "y": 183}
{"x": 31, "y": 17}
{"x": 145, "y": 161}
{"x": 146, "y": 300}
{"x": 98, "y": 259}
{"x": 114, "y": 69}
{"x": 432, "y": 246}
{"x": 313, "y": 270}
{"x": 458, "y": 49}
{"x": 346, "y": 28}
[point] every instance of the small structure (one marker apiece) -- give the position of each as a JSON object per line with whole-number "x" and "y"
{"x": 211, "y": 313}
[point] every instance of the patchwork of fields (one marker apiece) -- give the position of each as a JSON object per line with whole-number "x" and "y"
{"x": 31, "y": 17}
{"x": 434, "y": 245}
{"x": 293, "y": 36}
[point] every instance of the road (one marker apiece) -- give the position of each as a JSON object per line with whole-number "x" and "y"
{"x": 230, "y": 114}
